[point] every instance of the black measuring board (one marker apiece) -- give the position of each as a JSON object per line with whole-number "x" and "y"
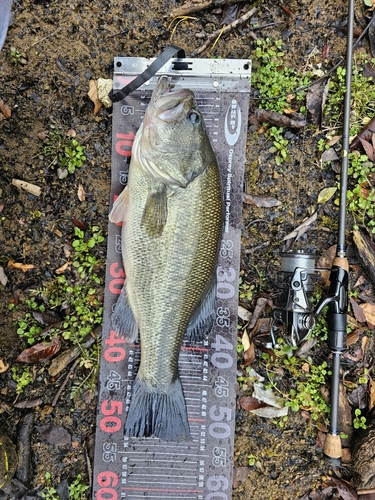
{"x": 138, "y": 468}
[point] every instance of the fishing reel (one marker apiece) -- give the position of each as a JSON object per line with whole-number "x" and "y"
{"x": 295, "y": 311}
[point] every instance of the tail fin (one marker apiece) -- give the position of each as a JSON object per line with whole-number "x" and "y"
{"x": 158, "y": 414}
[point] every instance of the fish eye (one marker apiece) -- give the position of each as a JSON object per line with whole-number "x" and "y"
{"x": 194, "y": 117}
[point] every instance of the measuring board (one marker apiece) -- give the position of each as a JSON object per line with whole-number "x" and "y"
{"x": 201, "y": 469}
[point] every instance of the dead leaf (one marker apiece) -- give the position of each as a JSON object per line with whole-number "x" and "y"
{"x": 40, "y": 352}
{"x": 371, "y": 388}
{"x": 3, "y": 278}
{"x": 344, "y": 489}
{"x": 5, "y": 109}
{"x": 369, "y": 149}
{"x": 260, "y": 201}
{"x": 71, "y": 133}
{"x": 302, "y": 228}
{"x": 325, "y": 262}
{"x": 305, "y": 367}
{"x": 369, "y": 310}
{"x": 44, "y": 318}
{"x": 353, "y": 337}
{"x": 365, "y": 133}
{"x": 249, "y": 355}
{"x": 79, "y": 224}
{"x": 3, "y": 366}
{"x": 81, "y": 193}
{"x": 18, "y": 265}
{"x": 244, "y": 314}
{"x": 54, "y": 434}
{"x": 249, "y": 403}
{"x": 326, "y": 194}
{"x": 245, "y": 341}
{"x": 364, "y": 343}
{"x": 61, "y": 269}
{"x": 335, "y": 139}
{"x": 239, "y": 475}
{"x": 360, "y": 281}
{"x": 329, "y": 155}
{"x": 357, "y": 311}
{"x": 259, "y": 309}
{"x": 93, "y": 95}
{"x": 31, "y": 403}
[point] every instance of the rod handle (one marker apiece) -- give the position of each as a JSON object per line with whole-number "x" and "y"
{"x": 341, "y": 262}
{"x": 332, "y": 447}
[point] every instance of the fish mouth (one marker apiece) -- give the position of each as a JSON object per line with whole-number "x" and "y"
{"x": 170, "y": 103}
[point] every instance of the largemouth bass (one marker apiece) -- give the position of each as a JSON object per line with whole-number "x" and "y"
{"x": 172, "y": 218}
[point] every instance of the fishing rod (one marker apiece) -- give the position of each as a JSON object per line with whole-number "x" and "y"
{"x": 298, "y": 275}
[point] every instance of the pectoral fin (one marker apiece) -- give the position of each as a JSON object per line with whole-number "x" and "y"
{"x": 123, "y": 321}
{"x": 120, "y": 207}
{"x": 155, "y": 212}
{"x": 202, "y": 320}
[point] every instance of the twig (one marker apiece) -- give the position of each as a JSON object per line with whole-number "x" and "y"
{"x": 194, "y": 6}
{"x": 58, "y": 393}
{"x": 223, "y": 31}
{"x": 44, "y": 38}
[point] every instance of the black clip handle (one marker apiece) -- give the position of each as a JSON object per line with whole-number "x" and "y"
{"x": 168, "y": 53}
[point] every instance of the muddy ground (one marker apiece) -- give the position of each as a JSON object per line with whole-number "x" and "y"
{"x": 61, "y": 46}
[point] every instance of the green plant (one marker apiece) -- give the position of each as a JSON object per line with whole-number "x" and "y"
{"x": 272, "y": 78}
{"x": 22, "y": 379}
{"x": 66, "y": 152}
{"x": 251, "y": 459}
{"x": 77, "y": 489}
{"x": 49, "y": 492}
{"x": 81, "y": 298}
{"x": 83, "y": 260}
{"x": 279, "y": 145}
{"x": 307, "y": 378}
{"x": 16, "y": 56}
{"x": 246, "y": 290}
{"x": 359, "y": 421}
{"x": 361, "y": 192}
{"x": 361, "y": 171}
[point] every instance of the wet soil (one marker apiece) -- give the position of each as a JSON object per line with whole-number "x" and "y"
{"x": 64, "y": 45}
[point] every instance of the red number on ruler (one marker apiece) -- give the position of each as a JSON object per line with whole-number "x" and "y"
{"x": 107, "y": 478}
{"x": 114, "y": 339}
{"x": 124, "y": 146}
{"x": 114, "y": 354}
{"x": 115, "y": 286}
{"x": 106, "y": 491}
{"x": 116, "y": 270}
{"x": 110, "y": 407}
{"x": 110, "y": 424}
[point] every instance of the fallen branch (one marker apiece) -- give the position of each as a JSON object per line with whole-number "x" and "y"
{"x": 366, "y": 251}
{"x": 263, "y": 115}
{"x": 195, "y": 6}
{"x": 223, "y": 31}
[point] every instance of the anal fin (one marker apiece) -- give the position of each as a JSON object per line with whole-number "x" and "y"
{"x": 123, "y": 320}
{"x": 203, "y": 317}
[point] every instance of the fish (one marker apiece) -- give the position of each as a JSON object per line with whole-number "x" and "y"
{"x": 172, "y": 215}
